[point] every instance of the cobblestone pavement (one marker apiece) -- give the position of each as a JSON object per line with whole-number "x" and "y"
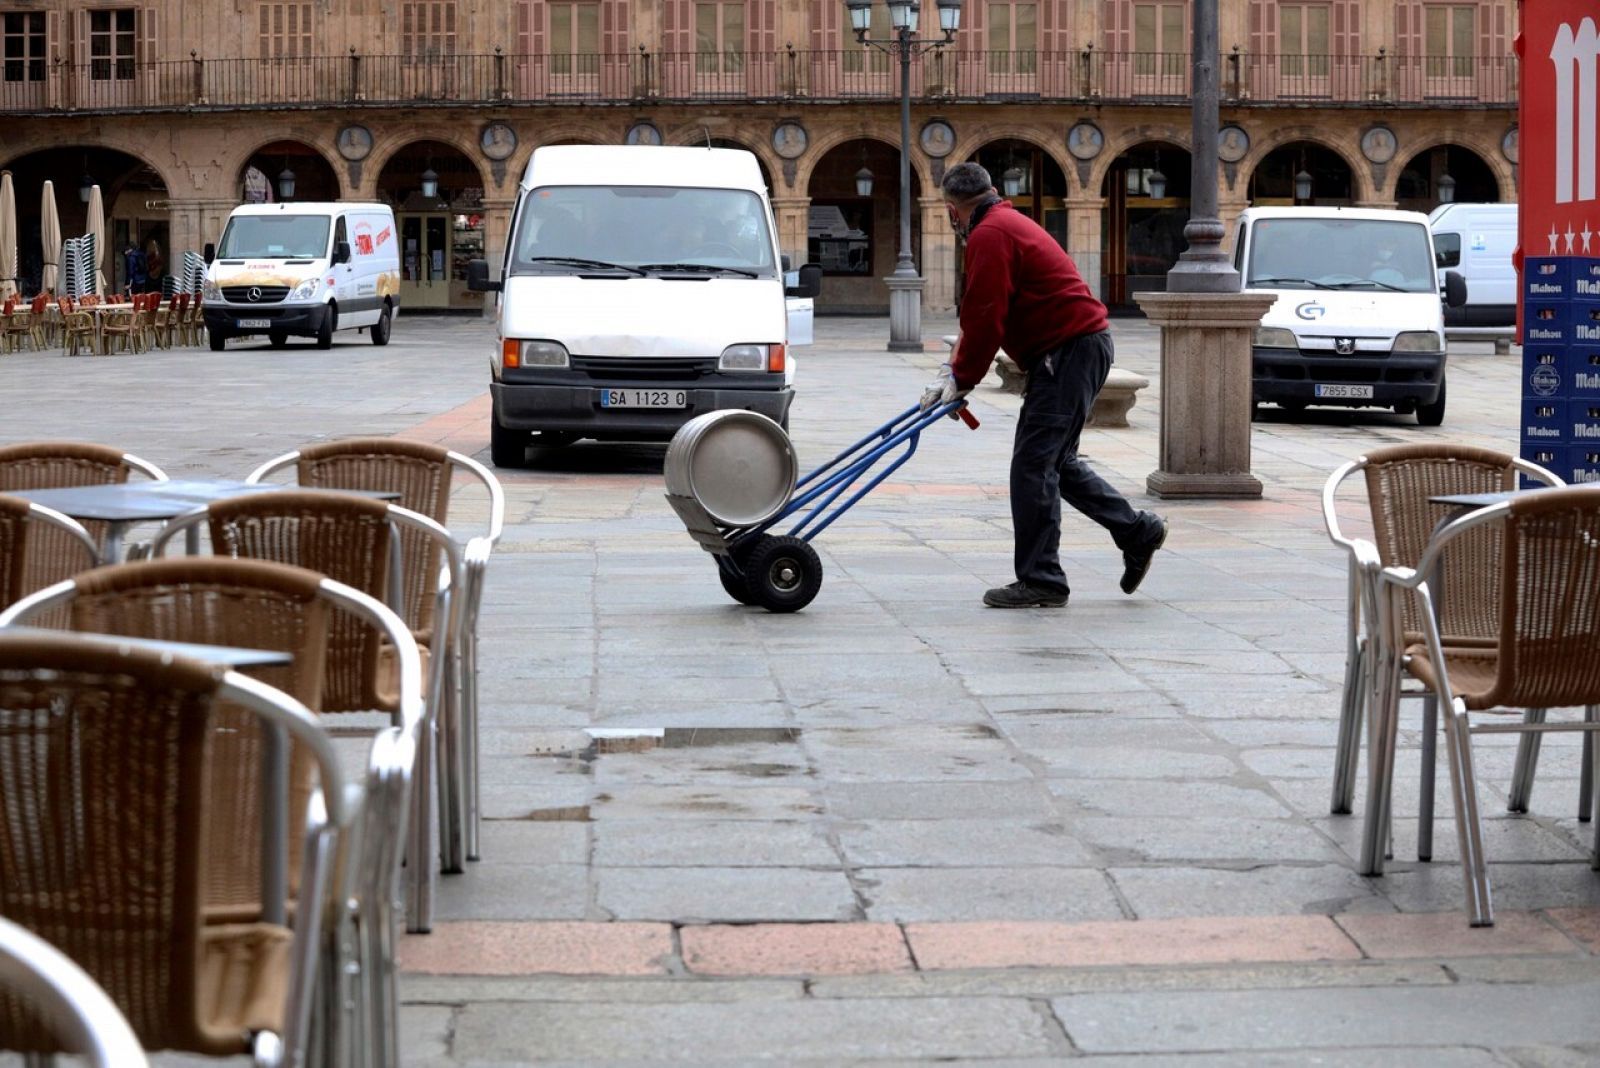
{"x": 897, "y": 825}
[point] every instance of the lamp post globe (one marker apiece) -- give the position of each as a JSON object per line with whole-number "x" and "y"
{"x": 949, "y": 16}
{"x": 860, "y": 15}
{"x": 85, "y": 187}
{"x": 863, "y": 182}
{"x": 1447, "y": 189}
{"x": 1302, "y": 185}
{"x": 1011, "y": 182}
{"x": 286, "y": 184}
{"x": 430, "y": 183}
{"x": 1158, "y": 184}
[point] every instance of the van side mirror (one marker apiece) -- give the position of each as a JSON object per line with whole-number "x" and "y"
{"x": 341, "y": 252}
{"x": 210, "y": 253}
{"x": 1455, "y": 289}
{"x": 478, "y": 278}
{"x": 810, "y": 283}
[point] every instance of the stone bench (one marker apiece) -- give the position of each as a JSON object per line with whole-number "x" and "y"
{"x": 1111, "y": 406}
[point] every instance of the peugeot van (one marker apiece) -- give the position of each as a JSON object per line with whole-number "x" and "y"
{"x": 1477, "y": 240}
{"x": 303, "y": 270}
{"x": 642, "y": 286}
{"x": 1358, "y": 321}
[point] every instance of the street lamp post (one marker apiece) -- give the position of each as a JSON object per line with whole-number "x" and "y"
{"x": 905, "y": 285}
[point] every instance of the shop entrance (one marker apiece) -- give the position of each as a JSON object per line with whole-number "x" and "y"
{"x": 425, "y": 258}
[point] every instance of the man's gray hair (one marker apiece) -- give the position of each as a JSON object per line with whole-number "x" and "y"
{"x": 965, "y": 181}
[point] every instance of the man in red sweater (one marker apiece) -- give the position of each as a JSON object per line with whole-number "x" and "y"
{"x": 1023, "y": 293}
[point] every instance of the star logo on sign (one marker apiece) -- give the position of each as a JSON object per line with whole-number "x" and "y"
{"x": 1569, "y": 235}
{"x": 1553, "y": 236}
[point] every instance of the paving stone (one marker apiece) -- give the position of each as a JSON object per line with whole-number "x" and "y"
{"x": 534, "y": 842}
{"x": 1128, "y": 762}
{"x": 832, "y": 1030}
{"x": 1473, "y": 1016}
{"x": 1206, "y": 839}
{"x": 633, "y": 801}
{"x": 968, "y": 843}
{"x": 929, "y": 801}
{"x": 1162, "y": 797}
{"x": 478, "y": 948}
{"x": 708, "y": 894}
{"x": 1442, "y": 935}
{"x": 906, "y": 895}
{"x": 496, "y": 891}
{"x": 1267, "y": 890}
{"x": 710, "y": 843}
{"x": 807, "y": 949}
{"x": 420, "y": 989}
{"x": 1505, "y": 840}
{"x": 1437, "y": 887}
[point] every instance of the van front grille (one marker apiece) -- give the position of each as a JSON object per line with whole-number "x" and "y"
{"x": 263, "y": 294}
{"x": 644, "y": 369}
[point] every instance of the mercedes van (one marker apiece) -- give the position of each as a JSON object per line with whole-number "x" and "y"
{"x": 303, "y": 270}
{"x": 1358, "y": 321}
{"x": 1477, "y": 240}
{"x": 642, "y": 286}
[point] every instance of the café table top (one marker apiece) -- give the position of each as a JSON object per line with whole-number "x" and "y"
{"x": 130, "y": 502}
{"x": 217, "y": 655}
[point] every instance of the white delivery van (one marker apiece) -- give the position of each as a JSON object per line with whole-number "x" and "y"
{"x": 1358, "y": 321}
{"x": 642, "y": 286}
{"x": 303, "y": 270}
{"x": 1477, "y": 240}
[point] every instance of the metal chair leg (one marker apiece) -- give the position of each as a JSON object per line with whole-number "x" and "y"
{"x": 1347, "y": 758}
{"x": 1380, "y": 761}
{"x": 1430, "y": 739}
{"x": 1591, "y": 766}
{"x": 1587, "y": 775}
{"x": 1527, "y": 763}
{"x": 1469, "y": 832}
{"x": 421, "y": 866}
{"x": 452, "y": 847}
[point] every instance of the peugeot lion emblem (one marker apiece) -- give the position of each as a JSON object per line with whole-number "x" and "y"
{"x": 1344, "y": 346}
{"x": 254, "y": 294}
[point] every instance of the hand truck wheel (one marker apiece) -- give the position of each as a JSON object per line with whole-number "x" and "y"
{"x": 733, "y": 583}
{"x": 783, "y": 573}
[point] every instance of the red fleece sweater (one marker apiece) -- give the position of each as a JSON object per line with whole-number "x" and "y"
{"x": 1024, "y": 294}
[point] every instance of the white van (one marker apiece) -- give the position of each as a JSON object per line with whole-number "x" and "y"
{"x": 303, "y": 270}
{"x": 1478, "y": 240}
{"x": 1358, "y": 321}
{"x": 642, "y": 286}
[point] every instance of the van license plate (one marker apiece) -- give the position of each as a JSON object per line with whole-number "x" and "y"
{"x": 255, "y": 324}
{"x": 644, "y": 398}
{"x": 1345, "y": 392}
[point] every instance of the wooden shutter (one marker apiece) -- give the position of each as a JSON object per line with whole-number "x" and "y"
{"x": 825, "y": 26}
{"x": 1408, "y": 28}
{"x": 1117, "y": 17}
{"x": 1264, "y": 28}
{"x": 80, "y": 41}
{"x": 763, "y": 25}
{"x": 1346, "y": 28}
{"x": 145, "y": 34}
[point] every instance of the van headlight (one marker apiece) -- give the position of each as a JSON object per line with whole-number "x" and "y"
{"x": 752, "y": 358}
{"x": 514, "y": 353}
{"x": 1275, "y": 337}
{"x": 211, "y": 291}
{"x": 1417, "y": 341}
{"x": 305, "y": 290}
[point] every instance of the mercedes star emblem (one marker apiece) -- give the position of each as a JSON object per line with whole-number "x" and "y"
{"x": 254, "y": 294}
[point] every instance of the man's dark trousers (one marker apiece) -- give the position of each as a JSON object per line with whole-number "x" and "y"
{"x": 1045, "y": 469}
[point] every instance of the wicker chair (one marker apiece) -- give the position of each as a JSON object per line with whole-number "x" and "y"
{"x": 91, "y": 732}
{"x": 73, "y": 1007}
{"x": 254, "y": 604}
{"x": 1546, "y": 652}
{"x": 348, "y": 539}
{"x": 32, "y": 465}
{"x": 1400, "y": 480}
{"x": 38, "y": 546}
{"x": 23, "y": 324}
{"x": 422, "y": 474}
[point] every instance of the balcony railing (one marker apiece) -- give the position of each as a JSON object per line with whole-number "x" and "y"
{"x": 498, "y": 79}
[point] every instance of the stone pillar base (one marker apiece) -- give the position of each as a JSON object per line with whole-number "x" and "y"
{"x": 1205, "y": 391}
{"x": 905, "y": 313}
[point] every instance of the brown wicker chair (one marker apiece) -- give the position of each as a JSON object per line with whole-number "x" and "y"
{"x": 38, "y": 546}
{"x": 73, "y": 1006}
{"x": 348, "y": 539}
{"x": 32, "y": 465}
{"x": 422, "y": 474}
{"x": 91, "y": 733}
{"x": 1400, "y": 480}
{"x": 1546, "y": 653}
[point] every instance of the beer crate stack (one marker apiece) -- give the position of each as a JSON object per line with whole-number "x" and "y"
{"x": 1561, "y": 365}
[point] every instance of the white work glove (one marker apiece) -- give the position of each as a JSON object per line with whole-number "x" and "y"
{"x": 942, "y": 390}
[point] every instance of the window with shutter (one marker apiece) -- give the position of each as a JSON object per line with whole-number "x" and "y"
{"x": 857, "y": 57}
{"x": 1449, "y": 38}
{"x": 1303, "y": 39}
{"x": 284, "y": 32}
{"x": 24, "y": 46}
{"x": 574, "y": 37}
{"x": 1013, "y": 37}
{"x": 1159, "y": 42}
{"x": 111, "y": 44}
{"x": 428, "y": 28}
{"x": 719, "y": 36}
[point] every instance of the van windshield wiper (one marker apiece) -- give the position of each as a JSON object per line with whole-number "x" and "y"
{"x": 697, "y": 268}
{"x": 1291, "y": 282}
{"x": 577, "y": 261}
{"x": 1370, "y": 282}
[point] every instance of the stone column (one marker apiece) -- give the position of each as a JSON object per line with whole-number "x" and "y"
{"x": 191, "y": 222}
{"x": 1084, "y": 237}
{"x": 939, "y": 254}
{"x": 1205, "y": 391}
{"x": 496, "y": 231}
{"x": 793, "y": 216}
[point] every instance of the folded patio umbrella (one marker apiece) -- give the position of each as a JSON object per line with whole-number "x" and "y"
{"x": 97, "y": 230}
{"x": 50, "y": 238}
{"x": 8, "y": 237}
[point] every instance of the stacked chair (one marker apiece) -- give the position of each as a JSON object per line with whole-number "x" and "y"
{"x": 45, "y": 995}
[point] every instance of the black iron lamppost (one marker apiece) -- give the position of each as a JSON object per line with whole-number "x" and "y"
{"x": 1203, "y": 267}
{"x": 905, "y": 285}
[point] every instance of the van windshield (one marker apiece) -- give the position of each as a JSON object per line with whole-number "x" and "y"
{"x": 659, "y": 229}
{"x": 274, "y": 237}
{"x": 1323, "y": 253}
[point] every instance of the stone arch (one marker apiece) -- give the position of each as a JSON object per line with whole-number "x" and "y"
{"x": 967, "y": 146}
{"x": 389, "y": 145}
{"x": 1362, "y": 190}
{"x": 693, "y": 136}
{"x": 1490, "y": 155}
{"x": 235, "y": 166}
{"x": 1116, "y": 146}
{"x": 113, "y": 139}
{"x": 827, "y": 142}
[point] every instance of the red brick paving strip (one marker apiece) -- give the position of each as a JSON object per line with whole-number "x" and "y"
{"x": 1435, "y": 935}
{"x": 464, "y": 428}
{"x": 486, "y": 948}
{"x": 795, "y": 949}
{"x": 1582, "y": 924}
{"x": 1202, "y": 940}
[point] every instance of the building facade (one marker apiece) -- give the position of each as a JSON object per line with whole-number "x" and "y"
{"x": 179, "y": 110}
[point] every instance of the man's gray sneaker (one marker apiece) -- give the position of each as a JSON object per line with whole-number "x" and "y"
{"x": 1021, "y": 595}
